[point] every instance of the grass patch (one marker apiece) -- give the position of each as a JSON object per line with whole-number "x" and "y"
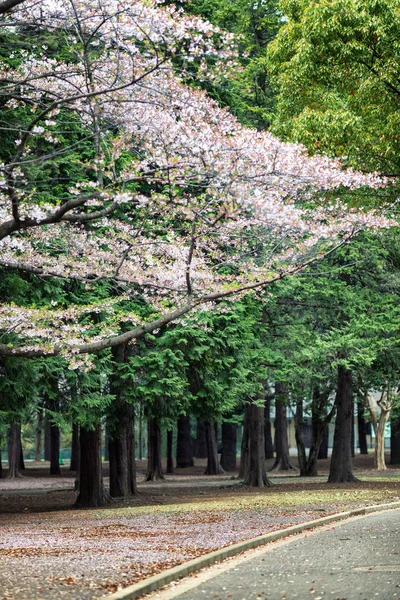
{"x": 257, "y": 501}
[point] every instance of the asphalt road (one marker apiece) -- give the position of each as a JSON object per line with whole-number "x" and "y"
{"x": 355, "y": 560}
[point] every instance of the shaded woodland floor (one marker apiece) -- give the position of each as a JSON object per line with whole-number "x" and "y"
{"x": 49, "y": 549}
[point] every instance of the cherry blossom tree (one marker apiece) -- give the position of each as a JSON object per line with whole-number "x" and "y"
{"x": 164, "y": 194}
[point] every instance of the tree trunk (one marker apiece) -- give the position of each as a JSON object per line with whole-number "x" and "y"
{"x": 213, "y": 466}
{"x": 91, "y": 487}
{"x": 55, "y": 450}
{"x": 201, "y": 442}
{"x": 395, "y": 441}
{"x": 1, "y": 463}
{"x": 245, "y": 447}
{"x": 14, "y": 451}
{"x": 74, "y": 464}
{"x": 154, "y": 468}
{"x": 21, "y": 457}
{"x": 106, "y": 442}
{"x": 229, "y": 438}
{"x": 323, "y": 449}
{"x": 269, "y": 446}
{"x": 39, "y": 435}
{"x": 341, "y": 466}
{"x": 379, "y": 456}
{"x": 362, "y": 428}
{"x": 282, "y": 461}
{"x": 319, "y": 430}
{"x": 121, "y": 436}
{"x": 184, "y": 446}
{"x": 353, "y": 437}
{"x": 47, "y": 442}
{"x": 170, "y": 460}
{"x": 256, "y": 473}
{"x": 301, "y": 447}
{"x": 140, "y": 433}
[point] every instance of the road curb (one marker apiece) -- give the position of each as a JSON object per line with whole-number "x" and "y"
{"x": 157, "y": 581}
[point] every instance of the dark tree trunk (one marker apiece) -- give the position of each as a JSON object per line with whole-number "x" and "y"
{"x": 140, "y": 433}
{"x": 256, "y": 473}
{"x": 319, "y": 429}
{"x": 121, "y": 436}
{"x": 170, "y": 460}
{"x": 229, "y": 438}
{"x": 323, "y": 449}
{"x": 362, "y": 428}
{"x": 341, "y": 467}
{"x": 1, "y": 463}
{"x": 282, "y": 461}
{"x": 269, "y": 446}
{"x": 91, "y": 487}
{"x": 47, "y": 437}
{"x": 299, "y": 431}
{"x": 14, "y": 451}
{"x": 154, "y": 468}
{"x": 213, "y": 466}
{"x": 395, "y": 441}
{"x": 74, "y": 464}
{"x": 55, "y": 450}
{"x": 121, "y": 452}
{"x": 21, "y": 457}
{"x": 245, "y": 447}
{"x": 39, "y": 435}
{"x": 201, "y": 442}
{"x": 184, "y": 446}
{"x": 353, "y": 437}
{"x": 106, "y": 442}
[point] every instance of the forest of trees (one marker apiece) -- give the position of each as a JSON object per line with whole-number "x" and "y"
{"x": 198, "y": 221}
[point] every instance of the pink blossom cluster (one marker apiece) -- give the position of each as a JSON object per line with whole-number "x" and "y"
{"x": 201, "y": 208}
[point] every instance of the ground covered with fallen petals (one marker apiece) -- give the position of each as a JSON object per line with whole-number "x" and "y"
{"x": 48, "y": 549}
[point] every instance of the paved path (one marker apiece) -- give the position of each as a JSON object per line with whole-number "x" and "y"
{"x": 355, "y": 560}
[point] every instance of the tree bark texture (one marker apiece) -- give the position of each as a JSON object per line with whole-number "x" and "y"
{"x": 269, "y": 445}
{"x": 245, "y": 447}
{"x": 39, "y": 435}
{"x": 74, "y": 464}
{"x": 323, "y": 449}
{"x": 229, "y": 439}
{"x": 154, "y": 468}
{"x": 14, "y": 450}
{"x": 341, "y": 464}
{"x": 282, "y": 460}
{"x": 55, "y": 450}
{"x": 395, "y": 441}
{"x": 184, "y": 445}
{"x": 256, "y": 474}
{"x": 213, "y": 466}
{"x": 320, "y": 420}
{"x": 362, "y": 428}
{"x": 299, "y": 432}
{"x": 170, "y": 459}
{"x": 47, "y": 442}
{"x": 121, "y": 436}
{"x": 201, "y": 442}
{"x": 91, "y": 486}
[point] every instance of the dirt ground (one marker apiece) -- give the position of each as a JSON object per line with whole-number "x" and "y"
{"x": 49, "y": 549}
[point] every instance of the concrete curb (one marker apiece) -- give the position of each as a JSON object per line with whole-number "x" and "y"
{"x": 157, "y": 581}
